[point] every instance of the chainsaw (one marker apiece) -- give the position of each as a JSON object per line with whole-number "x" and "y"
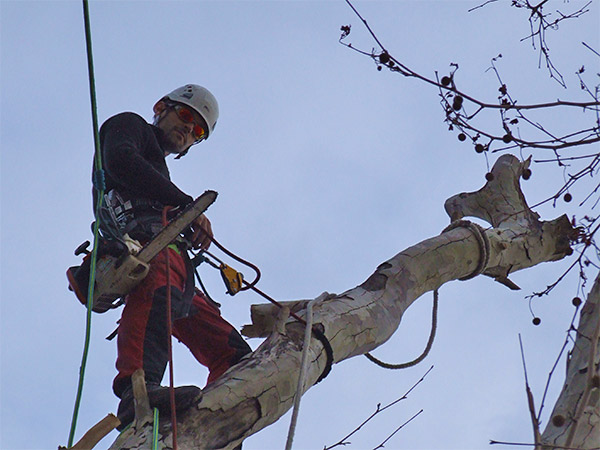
{"x": 119, "y": 272}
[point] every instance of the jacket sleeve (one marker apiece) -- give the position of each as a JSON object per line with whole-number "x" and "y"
{"x": 125, "y": 141}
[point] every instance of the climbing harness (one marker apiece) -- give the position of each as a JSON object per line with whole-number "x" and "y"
{"x": 484, "y": 256}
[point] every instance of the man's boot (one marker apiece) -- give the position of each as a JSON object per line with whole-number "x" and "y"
{"x": 159, "y": 397}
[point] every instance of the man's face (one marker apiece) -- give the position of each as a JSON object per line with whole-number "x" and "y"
{"x": 179, "y": 134}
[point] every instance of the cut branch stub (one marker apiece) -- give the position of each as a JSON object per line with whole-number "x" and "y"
{"x": 500, "y": 202}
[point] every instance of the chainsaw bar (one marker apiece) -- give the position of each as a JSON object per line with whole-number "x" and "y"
{"x": 176, "y": 226}
{"x": 116, "y": 277}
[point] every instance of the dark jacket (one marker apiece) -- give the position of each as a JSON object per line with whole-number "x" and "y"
{"x": 134, "y": 163}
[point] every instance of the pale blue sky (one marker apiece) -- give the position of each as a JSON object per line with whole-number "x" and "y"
{"x": 325, "y": 168}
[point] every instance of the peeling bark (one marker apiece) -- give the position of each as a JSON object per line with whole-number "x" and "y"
{"x": 261, "y": 388}
{"x": 575, "y": 420}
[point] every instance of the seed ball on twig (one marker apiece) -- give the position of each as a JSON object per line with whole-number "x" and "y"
{"x": 446, "y": 81}
{"x": 568, "y": 197}
{"x": 457, "y": 103}
{"x": 384, "y": 58}
{"x": 576, "y": 301}
{"x": 479, "y": 148}
{"x": 462, "y": 137}
{"x": 489, "y": 176}
{"x": 536, "y": 321}
{"x": 526, "y": 174}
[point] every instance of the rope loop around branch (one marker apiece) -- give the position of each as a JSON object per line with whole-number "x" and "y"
{"x": 423, "y": 355}
{"x": 482, "y": 239}
{"x": 484, "y": 257}
{"x": 320, "y": 336}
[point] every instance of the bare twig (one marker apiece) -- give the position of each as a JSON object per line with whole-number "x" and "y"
{"x": 379, "y": 409}
{"x": 483, "y": 5}
{"x": 529, "y": 444}
{"x": 397, "y": 429}
{"x": 455, "y": 102}
{"x": 539, "y": 23}
{"x": 534, "y": 421}
{"x": 590, "y": 48}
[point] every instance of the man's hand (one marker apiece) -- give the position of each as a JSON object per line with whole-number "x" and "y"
{"x": 203, "y": 234}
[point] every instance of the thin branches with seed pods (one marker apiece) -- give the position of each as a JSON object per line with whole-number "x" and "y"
{"x": 520, "y": 127}
{"x": 461, "y": 109}
{"x": 540, "y": 23}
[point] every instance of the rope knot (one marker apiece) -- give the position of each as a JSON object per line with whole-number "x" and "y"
{"x": 482, "y": 239}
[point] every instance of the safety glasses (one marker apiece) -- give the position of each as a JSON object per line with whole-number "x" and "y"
{"x": 187, "y": 116}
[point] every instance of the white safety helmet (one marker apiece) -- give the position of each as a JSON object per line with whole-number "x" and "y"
{"x": 201, "y": 100}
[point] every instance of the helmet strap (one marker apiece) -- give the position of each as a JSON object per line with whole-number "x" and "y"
{"x": 183, "y": 153}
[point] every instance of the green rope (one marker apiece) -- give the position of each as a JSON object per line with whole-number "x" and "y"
{"x": 99, "y": 184}
{"x": 155, "y": 430}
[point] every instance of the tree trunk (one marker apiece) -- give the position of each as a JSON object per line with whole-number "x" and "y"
{"x": 575, "y": 420}
{"x": 261, "y": 388}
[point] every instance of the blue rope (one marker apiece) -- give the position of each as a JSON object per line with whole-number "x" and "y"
{"x": 99, "y": 180}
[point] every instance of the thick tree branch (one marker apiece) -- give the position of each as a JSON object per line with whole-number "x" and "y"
{"x": 260, "y": 389}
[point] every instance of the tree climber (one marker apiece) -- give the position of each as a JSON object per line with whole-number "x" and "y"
{"x": 138, "y": 187}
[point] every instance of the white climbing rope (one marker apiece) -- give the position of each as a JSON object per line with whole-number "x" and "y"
{"x": 301, "y": 376}
{"x": 484, "y": 257}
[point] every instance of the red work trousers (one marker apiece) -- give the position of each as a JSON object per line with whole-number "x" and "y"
{"x": 143, "y": 335}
